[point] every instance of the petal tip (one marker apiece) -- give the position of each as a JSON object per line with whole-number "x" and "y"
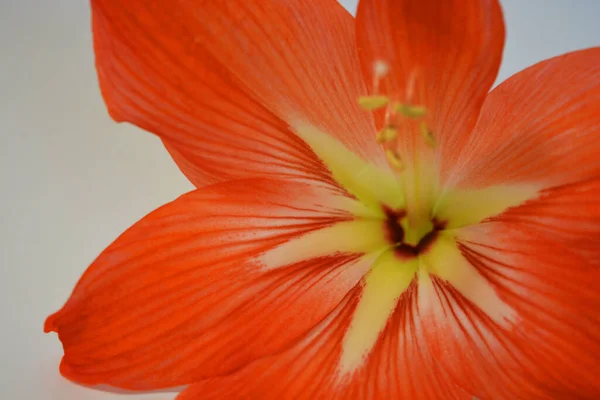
{"x": 67, "y": 371}
{"x": 77, "y": 376}
{"x": 50, "y": 323}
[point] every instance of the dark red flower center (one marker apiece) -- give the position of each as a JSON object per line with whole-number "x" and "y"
{"x": 396, "y": 234}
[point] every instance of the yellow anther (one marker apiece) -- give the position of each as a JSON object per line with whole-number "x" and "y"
{"x": 410, "y": 111}
{"x": 387, "y": 134}
{"x": 428, "y": 135}
{"x": 373, "y": 102}
{"x": 394, "y": 159}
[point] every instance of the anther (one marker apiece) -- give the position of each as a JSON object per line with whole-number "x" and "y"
{"x": 373, "y": 102}
{"x": 387, "y": 134}
{"x": 410, "y": 111}
{"x": 428, "y": 135}
{"x": 394, "y": 159}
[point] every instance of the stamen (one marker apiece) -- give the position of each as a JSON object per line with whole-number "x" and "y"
{"x": 410, "y": 111}
{"x": 387, "y": 134}
{"x": 428, "y": 135}
{"x": 394, "y": 159}
{"x": 373, "y": 102}
{"x": 410, "y": 87}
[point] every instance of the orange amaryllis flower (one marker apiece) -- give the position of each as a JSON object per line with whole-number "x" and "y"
{"x": 369, "y": 222}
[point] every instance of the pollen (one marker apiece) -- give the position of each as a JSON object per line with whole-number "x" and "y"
{"x": 373, "y": 102}
{"x": 427, "y": 135}
{"x": 387, "y": 134}
{"x": 410, "y": 111}
{"x": 394, "y": 159}
{"x": 403, "y": 116}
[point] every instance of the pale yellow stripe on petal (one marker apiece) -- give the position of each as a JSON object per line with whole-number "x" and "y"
{"x": 445, "y": 260}
{"x": 368, "y": 183}
{"x": 383, "y": 286}
{"x": 357, "y": 236}
{"x": 462, "y": 207}
{"x": 353, "y": 207}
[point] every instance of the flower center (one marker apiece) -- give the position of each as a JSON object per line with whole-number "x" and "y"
{"x": 410, "y": 240}
{"x": 406, "y": 225}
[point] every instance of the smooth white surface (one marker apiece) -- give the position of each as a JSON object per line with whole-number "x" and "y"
{"x": 72, "y": 180}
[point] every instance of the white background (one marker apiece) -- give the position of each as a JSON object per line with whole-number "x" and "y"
{"x": 71, "y": 180}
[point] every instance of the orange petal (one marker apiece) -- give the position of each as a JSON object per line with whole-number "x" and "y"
{"x": 302, "y": 372}
{"x": 540, "y": 126}
{"x": 400, "y": 366}
{"x": 199, "y": 288}
{"x": 542, "y": 259}
{"x": 443, "y": 55}
{"x": 224, "y": 84}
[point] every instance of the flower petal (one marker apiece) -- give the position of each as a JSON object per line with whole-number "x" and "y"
{"x": 398, "y": 366}
{"x": 201, "y": 286}
{"x": 463, "y": 207}
{"x": 540, "y": 127}
{"x": 445, "y": 261}
{"x": 443, "y": 55}
{"x": 383, "y": 287}
{"x": 446, "y": 340}
{"x": 374, "y": 187}
{"x": 221, "y": 82}
{"x": 542, "y": 261}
